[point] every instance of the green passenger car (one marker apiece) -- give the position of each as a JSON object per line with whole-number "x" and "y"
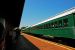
{"x": 61, "y": 25}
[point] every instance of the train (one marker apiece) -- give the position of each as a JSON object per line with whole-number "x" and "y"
{"x": 60, "y": 26}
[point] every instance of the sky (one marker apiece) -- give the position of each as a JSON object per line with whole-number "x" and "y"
{"x": 35, "y": 11}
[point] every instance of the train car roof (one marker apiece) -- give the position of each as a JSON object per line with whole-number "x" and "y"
{"x": 11, "y": 10}
{"x": 64, "y": 13}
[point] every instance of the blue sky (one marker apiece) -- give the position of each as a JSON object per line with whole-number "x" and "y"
{"x": 35, "y": 11}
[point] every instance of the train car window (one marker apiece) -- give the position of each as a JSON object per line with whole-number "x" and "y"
{"x": 1, "y": 31}
{"x": 65, "y": 22}
{"x": 52, "y": 25}
{"x": 45, "y": 26}
{"x": 56, "y": 24}
{"x": 34, "y": 28}
{"x": 49, "y": 25}
{"x": 38, "y": 27}
{"x": 60, "y": 23}
{"x": 41, "y": 26}
{"x": 73, "y": 13}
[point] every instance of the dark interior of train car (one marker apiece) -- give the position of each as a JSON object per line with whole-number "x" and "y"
{"x": 10, "y": 14}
